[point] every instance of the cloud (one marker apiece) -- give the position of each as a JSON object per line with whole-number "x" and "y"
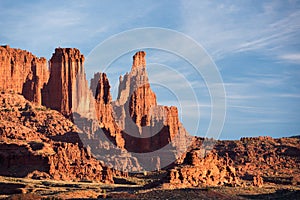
{"x": 41, "y": 26}
{"x": 233, "y": 27}
{"x": 288, "y": 95}
{"x": 292, "y": 57}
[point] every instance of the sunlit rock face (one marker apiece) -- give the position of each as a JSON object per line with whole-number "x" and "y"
{"x": 67, "y": 90}
{"x": 23, "y": 73}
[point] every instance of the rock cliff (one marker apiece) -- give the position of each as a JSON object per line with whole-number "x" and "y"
{"x": 23, "y": 73}
{"x": 197, "y": 171}
{"x": 67, "y": 88}
{"x": 202, "y": 167}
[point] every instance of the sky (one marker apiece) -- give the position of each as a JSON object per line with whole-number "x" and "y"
{"x": 255, "y": 46}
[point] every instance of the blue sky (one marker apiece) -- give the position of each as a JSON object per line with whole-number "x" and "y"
{"x": 255, "y": 45}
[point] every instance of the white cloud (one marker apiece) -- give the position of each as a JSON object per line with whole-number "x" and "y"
{"x": 266, "y": 28}
{"x": 292, "y": 57}
{"x": 288, "y": 95}
{"x": 40, "y": 27}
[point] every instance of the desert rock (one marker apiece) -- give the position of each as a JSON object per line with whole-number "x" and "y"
{"x": 22, "y": 73}
{"x": 37, "y": 142}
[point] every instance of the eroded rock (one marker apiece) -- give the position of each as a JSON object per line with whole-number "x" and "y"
{"x": 22, "y": 73}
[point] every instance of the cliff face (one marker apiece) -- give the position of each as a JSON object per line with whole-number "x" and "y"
{"x": 67, "y": 89}
{"x": 104, "y": 110}
{"x": 23, "y": 73}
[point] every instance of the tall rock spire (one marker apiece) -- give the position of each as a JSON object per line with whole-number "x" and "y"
{"x": 139, "y": 60}
{"x": 67, "y": 88}
{"x": 135, "y": 94}
{"x": 146, "y": 126}
{"x": 104, "y": 110}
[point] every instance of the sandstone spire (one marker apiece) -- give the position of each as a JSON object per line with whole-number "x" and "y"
{"x": 104, "y": 110}
{"x": 139, "y": 59}
{"x": 138, "y": 114}
{"x": 66, "y": 68}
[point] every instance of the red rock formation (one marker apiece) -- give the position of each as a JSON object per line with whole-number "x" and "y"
{"x": 141, "y": 101}
{"x": 141, "y": 97}
{"x": 22, "y": 73}
{"x": 104, "y": 110}
{"x": 274, "y": 160}
{"x": 73, "y": 163}
{"x": 139, "y": 59}
{"x": 136, "y": 109}
{"x": 67, "y": 89}
{"x": 199, "y": 171}
{"x": 40, "y": 143}
{"x": 50, "y": 146}
{"x": 146, "y": 126}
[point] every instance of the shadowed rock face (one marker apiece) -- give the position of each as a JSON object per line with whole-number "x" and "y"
{"x": 14, "y": 157}
{"x": 104, "y": 110}
{"x": 22, "y": 73}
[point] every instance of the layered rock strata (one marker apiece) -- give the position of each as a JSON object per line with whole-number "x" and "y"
{"x": 23, "y": 73}
{"x": 67, "y": 89}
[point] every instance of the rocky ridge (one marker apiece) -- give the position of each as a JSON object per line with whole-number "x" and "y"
{"x": 40, "y": 143}
{"x": 256, "y": 160}
{"x": 264, "y": 158}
